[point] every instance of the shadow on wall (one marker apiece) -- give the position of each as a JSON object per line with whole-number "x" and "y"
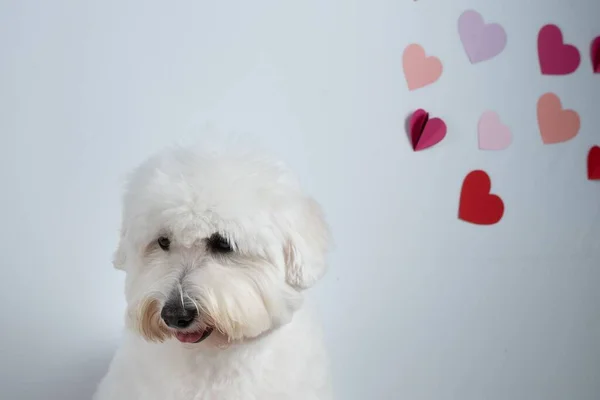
{"x": 76, "y": 381}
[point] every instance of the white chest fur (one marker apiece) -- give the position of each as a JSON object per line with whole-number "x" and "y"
{"x": 287, "y": 364}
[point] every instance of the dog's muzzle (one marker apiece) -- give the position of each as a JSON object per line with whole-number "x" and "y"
{"x": 181, "y": 318}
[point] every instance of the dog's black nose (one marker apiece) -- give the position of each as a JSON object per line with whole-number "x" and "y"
{"x": 176, "y": 315}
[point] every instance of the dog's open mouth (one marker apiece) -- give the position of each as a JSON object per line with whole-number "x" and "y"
{"x": 194, "y": 337}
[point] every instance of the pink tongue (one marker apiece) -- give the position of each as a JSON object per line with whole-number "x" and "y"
{"x": 189, "y": 337}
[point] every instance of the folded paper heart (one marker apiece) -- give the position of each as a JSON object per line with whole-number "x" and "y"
{"x": 477, "y": 205}
{"x": 595, "y": 55}
{"x": 556, "y": 57}
{"x": 593, "y": 164}
{"x": 425, "y": 132}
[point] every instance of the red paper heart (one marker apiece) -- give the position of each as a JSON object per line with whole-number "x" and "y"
{"x": 595, "y": 55}
{"x": 556, "y": 58}
{"x": 477, "y": 204}
{"x": 425, "y": 132}
{"x": 593, "y": 163}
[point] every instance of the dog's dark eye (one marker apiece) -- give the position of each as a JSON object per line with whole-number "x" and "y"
{"x": 218, "y": 244}
{"x": 164, "y": 243}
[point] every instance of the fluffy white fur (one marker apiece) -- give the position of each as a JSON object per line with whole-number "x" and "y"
{"x": 264, "y": 345}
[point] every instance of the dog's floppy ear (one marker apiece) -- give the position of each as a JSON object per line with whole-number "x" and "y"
{"x": 306, "y": 246}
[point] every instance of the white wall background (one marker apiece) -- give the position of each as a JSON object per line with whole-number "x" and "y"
{"x": 418, "y": 305}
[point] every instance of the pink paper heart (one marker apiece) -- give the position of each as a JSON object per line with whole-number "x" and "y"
{"x": 481, "y": 41}
{"x": 556, "y": 124}
{"x": 425, "y": 132}
{"x": 420, "y": 70}
{"x": 492, "y": 133}
{"x": 556, "y": 58}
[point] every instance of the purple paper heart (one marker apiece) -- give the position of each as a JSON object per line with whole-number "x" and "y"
{"x": 481, "y": 41}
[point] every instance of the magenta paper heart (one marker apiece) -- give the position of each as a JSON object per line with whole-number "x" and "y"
{"x": 481, "y": 41}
{"x": 556, "y": 58}
{"x": 595, "y": 55}
{"x": 492, "y": 133}
{"x": 425, "y": 132}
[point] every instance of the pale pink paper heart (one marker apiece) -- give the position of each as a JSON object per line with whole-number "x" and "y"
{"x": 492, "y": 133}
{"x": 420, "y": 70}
{"x": 481, "y": 41}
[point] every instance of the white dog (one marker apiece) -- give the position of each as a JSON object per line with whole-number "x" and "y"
{"x": 217, "y": 251}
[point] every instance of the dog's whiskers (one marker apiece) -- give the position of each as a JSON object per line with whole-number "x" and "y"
{"x": 181, "y": 294}
{"x": 194, "y": 303}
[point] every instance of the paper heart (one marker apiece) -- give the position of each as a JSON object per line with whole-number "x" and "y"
{"x": 556, "y": 58}
{"x": 420, "y": 70}
{"x": 481, "y": 41}
{"x": 593, "y": 163}
{"x": 556, "y": 125}
{"x": 595, "y": 55}
{"x": 477, "y": 205}
{"x": 492, "y": 133}
{"x": 425, "y": 132}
